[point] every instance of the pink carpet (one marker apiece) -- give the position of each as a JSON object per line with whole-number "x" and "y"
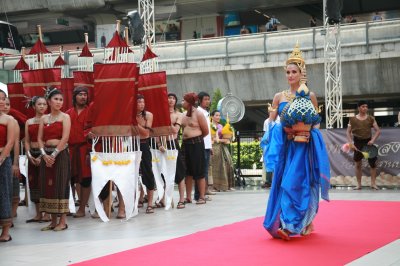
{"x": 344, "y": 231}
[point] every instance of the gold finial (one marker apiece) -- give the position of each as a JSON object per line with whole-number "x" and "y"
{"x": 126, "y": 35}
{"x": 296, "y": 57}
{"x": 118, "y": 25}
{"x": 39, "y": 32}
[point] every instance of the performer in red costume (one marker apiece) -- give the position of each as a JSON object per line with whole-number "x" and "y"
{"x": 39, "y": 104}
{"x": 55, "y": 173}
{"x": 79, "y": 147}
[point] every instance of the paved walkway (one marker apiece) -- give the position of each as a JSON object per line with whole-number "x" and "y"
{"x": 88, "y": 238}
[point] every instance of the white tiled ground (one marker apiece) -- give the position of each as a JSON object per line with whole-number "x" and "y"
{"x": 89, "y": 238}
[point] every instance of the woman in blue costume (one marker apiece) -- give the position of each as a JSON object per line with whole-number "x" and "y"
{"x": 298, "y": 159}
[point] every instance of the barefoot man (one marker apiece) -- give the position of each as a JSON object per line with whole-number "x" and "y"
{"x": 194, "y": 129}
{"x": 359, "y": 134}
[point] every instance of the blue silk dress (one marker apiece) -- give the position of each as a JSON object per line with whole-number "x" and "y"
{"x": 301, "y": 172}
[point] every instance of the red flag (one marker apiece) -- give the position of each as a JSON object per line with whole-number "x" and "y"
{"x": 114, "y": 88}
{"x": 153, "y": 86}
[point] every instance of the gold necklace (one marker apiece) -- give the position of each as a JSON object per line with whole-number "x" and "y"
{"x": 289, "y": 96}
{"x": 36, "y": 120}
{"x": 51, "y": 121}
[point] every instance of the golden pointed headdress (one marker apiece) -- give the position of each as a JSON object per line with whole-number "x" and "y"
{"x": 296, "y": 57}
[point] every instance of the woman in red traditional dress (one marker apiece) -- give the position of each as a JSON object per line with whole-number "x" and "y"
{"x": 14, "y": 154}
{"x": 39, "y": 104}
{"x": 7, "y": 138}
{"x": 55, "y": 167}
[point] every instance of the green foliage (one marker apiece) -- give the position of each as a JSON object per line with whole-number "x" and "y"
{"x": 250, "y": 153}
{"x": 215, "y": 99}
{"x": 214, "y": 104}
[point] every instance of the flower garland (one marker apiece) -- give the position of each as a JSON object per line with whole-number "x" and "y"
{"x": 110, "y": 162}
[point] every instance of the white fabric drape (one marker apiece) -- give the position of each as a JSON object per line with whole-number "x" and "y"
{"x": 124, "y": 175}
{"x": 156, "y": 156}
{"x": 165, "y": 163}
{"x": 168, "y": 163}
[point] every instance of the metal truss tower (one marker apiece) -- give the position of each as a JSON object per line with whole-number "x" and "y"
{"x": 333, "y": 73}
{"x": 146, "y": 12}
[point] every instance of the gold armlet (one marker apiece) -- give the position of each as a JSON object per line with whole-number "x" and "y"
{"x": 271, "y": 108}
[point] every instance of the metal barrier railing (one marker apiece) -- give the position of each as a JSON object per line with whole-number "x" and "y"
{"x": 246, "y": 155}
{"x": 254, "y": 48}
